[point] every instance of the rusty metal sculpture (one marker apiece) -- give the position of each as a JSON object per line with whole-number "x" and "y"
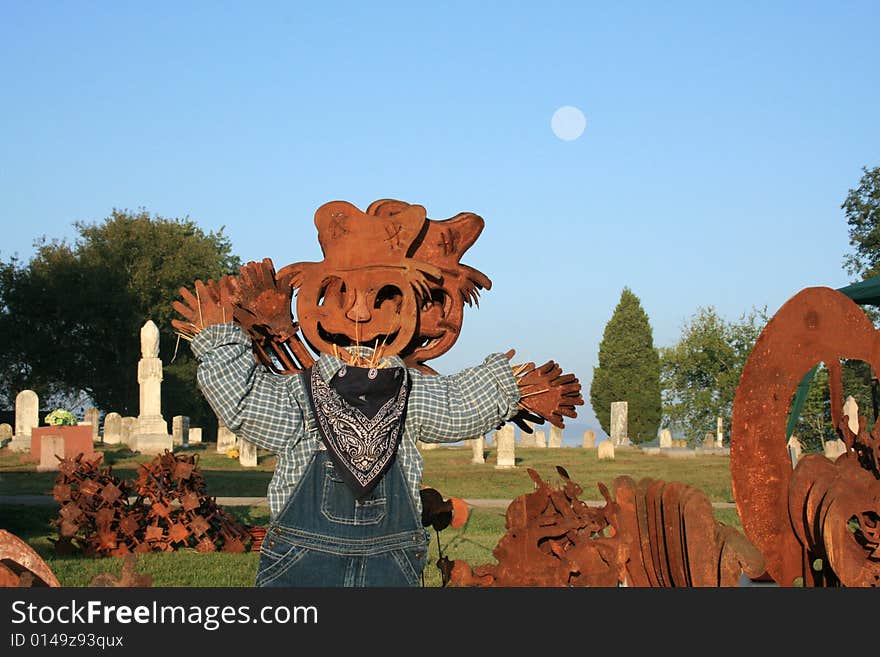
{"x": 391, "y": 279}
{"x": 819, "y": 523}
{"x": 649, "y": 534}
{"x": 21, "y": 566}
{"x": 164, "y": 509}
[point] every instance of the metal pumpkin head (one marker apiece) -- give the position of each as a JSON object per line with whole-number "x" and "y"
{"x": 369, "y": 288}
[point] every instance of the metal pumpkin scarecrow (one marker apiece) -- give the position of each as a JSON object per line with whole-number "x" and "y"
{"x": 343, "y": 394}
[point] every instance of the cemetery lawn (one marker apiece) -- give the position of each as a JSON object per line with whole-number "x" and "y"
{"x": 447, "y": 469}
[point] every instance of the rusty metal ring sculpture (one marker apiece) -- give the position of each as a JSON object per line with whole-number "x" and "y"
{"x": 816, "y": 524}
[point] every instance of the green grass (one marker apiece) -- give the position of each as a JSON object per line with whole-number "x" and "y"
{"x": 449, "y": 470}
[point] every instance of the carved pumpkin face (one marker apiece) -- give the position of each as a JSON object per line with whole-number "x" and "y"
{"x": 368, "y": 289}
{"x": 442, "y": 310}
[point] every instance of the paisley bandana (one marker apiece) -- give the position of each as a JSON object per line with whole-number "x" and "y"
{"x": 361, "y": 447}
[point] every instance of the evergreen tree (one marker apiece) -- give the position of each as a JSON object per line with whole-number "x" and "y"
{"x": 628, "y": 370}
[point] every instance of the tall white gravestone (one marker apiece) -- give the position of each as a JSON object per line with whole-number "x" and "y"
{"x": 151, "y": 435}
{"x": 477, "y": 445}
{"x": 505, "y": 454}
{"x": 619, "y": 412}
{"x": 555, "y": 439}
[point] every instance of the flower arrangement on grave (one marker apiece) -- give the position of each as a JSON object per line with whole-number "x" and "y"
{"x": 232, "y": 452}
{"x": 61, "y": 417}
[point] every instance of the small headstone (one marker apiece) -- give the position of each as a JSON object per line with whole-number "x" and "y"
{"x": 93, "y": 417}
{"x": 589, "y": 439}
{"x": 665, "y": 438}
{"x": 477, "y": 446}
{"x": 834, "y": 449}
{"x": 708, "y": 441}
{"x": 555, "y": 439}
{"x": 27, "y": 412}
{"x": 51, "y": 449}
{"x": 540, "y": 439}
{"x": 606, "y": 450}
{"x": 619, "y": 412}
{"x": 505, "y": 454}
{"x": 129, "y": 427}
{"x": 427, "y": 446}
{"x": 112, "y": 429}
{"x": 225, "y": 438}
{"x": 794, "y": 449}
{"x": 5, "y": 431}
{"x": 180, "y": 430}
{"x": 247, "y": 453}
{"x": 526, "y": 439}
{"x": 195, "y": 435}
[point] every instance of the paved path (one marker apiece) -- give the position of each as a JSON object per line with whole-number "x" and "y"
{"x": 43, "y": 500}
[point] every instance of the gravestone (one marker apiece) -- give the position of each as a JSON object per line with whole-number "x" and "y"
{"x": 794, "y": 449}
{"x": 619, "y": 412}
{"x": 505, "y": 454}
{"x": 51, "y": 449}
{"x": 5, "y": 432}
{"x": 427, "y": 446}
{"x": 540, "y": 439}
{"x": 589, "y": 439}
{"x": 665, "y": 438}
{"x": 151, "y": 436}
{"x": 555, "y": 439}
{"x": 606, "y": 450}
{"x": 93, "y": 417}
{"x": 26, "y": 418}
{"x": 708, "y": 441}
{"x": 129, "y": 428}
{"x": 195, "y": 435}
{"x": 477, "y": 446}
{"x": 180, "y": 430}
{"x": 526, "y": 439}
{"x": 719, "y": 433}
{"x": 247, "y": 453}
{"x": 225, "y": 438}
{"x": 112, "y": 429}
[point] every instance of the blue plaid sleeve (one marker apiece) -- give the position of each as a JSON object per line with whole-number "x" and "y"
{"x": 254, "y": 403}
{"x": 463, "y": 405}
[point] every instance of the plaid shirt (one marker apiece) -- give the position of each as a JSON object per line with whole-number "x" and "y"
{"x": 273, "y": 410}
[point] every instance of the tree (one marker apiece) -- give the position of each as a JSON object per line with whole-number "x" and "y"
{"x": 700, "y": 373}
{"x": 628, "y": 370}
{"x": 70, "y": 319}
{"x": 862, "y": 209}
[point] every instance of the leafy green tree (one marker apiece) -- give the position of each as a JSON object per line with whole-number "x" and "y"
{"x": 700, "y": 373}
{"x": 862, "y": 209}
{"x": 628, "y": 370}
{"x": 70, "y": 319}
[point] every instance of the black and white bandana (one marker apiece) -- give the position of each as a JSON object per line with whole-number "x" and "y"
{"x": 362, "y": 445}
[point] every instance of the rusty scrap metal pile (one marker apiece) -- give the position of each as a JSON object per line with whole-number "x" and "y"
{"x": 165, "y": 508}
{"x": 650, "y": 533}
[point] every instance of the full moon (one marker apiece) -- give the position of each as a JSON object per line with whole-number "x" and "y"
{"x": 568, "y": 123}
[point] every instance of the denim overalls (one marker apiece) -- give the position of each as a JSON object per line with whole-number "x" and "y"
{"x": 377, "y": 541}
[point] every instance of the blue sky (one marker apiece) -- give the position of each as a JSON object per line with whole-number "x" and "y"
{"x": 720, "y": 141}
